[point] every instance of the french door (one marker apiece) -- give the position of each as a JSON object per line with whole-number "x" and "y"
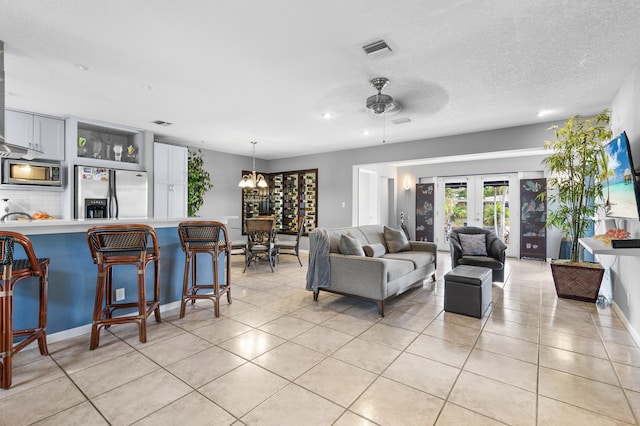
{"x": 481, "y": 201}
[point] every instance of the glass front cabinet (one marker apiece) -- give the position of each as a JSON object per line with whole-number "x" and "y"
{"x": 289, "y": 196}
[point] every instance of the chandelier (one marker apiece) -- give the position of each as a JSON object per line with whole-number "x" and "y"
{"x": 252, "y": 180}
{"x": 380, "y": 103}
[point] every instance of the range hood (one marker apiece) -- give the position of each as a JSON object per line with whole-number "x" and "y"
{"x": 8, "y": 150}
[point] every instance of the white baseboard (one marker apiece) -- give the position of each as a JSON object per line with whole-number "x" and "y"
{"x": 634, "y": 334}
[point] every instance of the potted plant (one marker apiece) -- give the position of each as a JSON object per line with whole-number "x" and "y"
{"x": 199, "y": 182}
{"x": 576, "y": 191}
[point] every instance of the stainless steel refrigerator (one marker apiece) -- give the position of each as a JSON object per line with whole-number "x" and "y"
{"x": 102, "y": 193}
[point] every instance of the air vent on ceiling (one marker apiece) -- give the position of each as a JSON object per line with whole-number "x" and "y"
{"x": 377, "y": 49}
{"x": 401, "y": 120}
{"x": 162, "y": 123}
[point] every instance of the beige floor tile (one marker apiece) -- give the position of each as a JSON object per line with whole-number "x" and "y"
{"x": 74, "y": 354}
{"x": 424, "y": 374}
{"x": 235, "y": 308}
{"x": 221, "y": 331}
{"x": 252, "y": 343}
{"x": 615, "y": 335}
{"x": 565, "y": 324}
{"x": 526, "y": 318}
{"x": 518, "y": 306}
{"x": 110, "y": 374}
{"x": 323, "y": 339}
{"x": 608, "y": 321}
{"x": 427, "y": 310}
{"x": 260, "y": 298}
{"x": 314, "y": 313}
{"x": 573, "y": 343}
{"x": 552, "y": 412}
{"x": 27, "y": 356}
{"x": 503, "y": 369}
{"x": 287, "y": 327}
{"x": 441, "y": 350}
{"x": 595, "y": 396}
{"x": 623, "y": 354}
{"x": 406, "y": 320}
{"x": 243, "y": 389}
{"x": 509, "y": 346}
{"x": 79, "y": 415}
{"x": 513, "y": 329}
{"x": 366, "y": 354}
{"x": 289, "y": 360}
{"x": 349, "y": 324}
{"x": 293, "y": 406}
{"x": 195, "y": 316}
{"x": 192, "y": 409}
{"x": 156, "y": 332}
{"x": 634, "y": 401}
{"x": 453, "y": 332}
{"x": 257, "y": 316}
{"x": 629, "y": 376}
{"x": 337, "y": 381}
{"x": 175, "y": 348}
{"x": 205, "y": 366}
{"x": 390, "y": 403}
{"x": 578, "y": 364}
{"x": 505, "y": 403}
{"x": 454, "y": 415}
{"x": 38, "y": 403}
{"x": 137, "y": 399}
{"x": 31, "y": 375}
{"x": 463, "y": 320}
{"x": 394, "y": 337}
{"x": 351, "y": 419}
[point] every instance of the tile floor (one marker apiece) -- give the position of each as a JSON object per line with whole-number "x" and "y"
{"x": 275, "y": 357}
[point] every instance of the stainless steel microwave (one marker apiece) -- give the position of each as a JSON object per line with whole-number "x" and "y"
{"x": 21, "y": 172}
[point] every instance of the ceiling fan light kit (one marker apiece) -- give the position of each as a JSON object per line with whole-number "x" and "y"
{"x": 380, "y": 103}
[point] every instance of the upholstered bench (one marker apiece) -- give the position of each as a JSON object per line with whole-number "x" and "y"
{"x": 467, "y": 290}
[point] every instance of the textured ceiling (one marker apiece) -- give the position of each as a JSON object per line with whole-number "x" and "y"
{"x": 226, "y": 73}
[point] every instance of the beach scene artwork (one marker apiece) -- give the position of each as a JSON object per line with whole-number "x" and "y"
{"x": 619, "y": 191}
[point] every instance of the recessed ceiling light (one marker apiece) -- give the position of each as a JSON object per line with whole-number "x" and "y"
{"x": 148, "y": 87}
{"x": 162, "y": 123}
{"x": 327, "y": 115}
{"x": 366, "y": 133}
{"x": 82, "y": 67}
{"x": 546, "y": 112}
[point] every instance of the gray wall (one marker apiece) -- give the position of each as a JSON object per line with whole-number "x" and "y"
{"x": 625, "y": 116}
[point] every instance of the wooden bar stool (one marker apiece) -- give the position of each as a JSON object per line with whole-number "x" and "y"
{"x": 14, "y": 271}
{"x": 117, "y": 245}
{"x": 204, "y": 237}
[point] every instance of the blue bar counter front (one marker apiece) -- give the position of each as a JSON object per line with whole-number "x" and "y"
{"x": 73, "y": 275}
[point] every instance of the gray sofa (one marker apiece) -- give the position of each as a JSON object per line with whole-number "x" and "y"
{"x": 372, "y": 278}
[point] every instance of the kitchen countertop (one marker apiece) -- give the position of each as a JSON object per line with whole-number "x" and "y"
{"x": 59, "y": 226}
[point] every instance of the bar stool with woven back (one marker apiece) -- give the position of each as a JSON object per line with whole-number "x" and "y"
{"x": 205, "y": 237}
{"x": 13, "y": 271}
{"x": 118, "y": 245}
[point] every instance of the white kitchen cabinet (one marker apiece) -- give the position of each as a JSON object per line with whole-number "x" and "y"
{"x": 36, "y": 132}
{"x": 170, "y": 180}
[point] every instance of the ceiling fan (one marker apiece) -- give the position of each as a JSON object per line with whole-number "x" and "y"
{"x": 380, "y": 103}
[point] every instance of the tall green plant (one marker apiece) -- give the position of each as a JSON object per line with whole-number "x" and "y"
{"x": 199, "y": 182}
{"x": 574, "y": 165}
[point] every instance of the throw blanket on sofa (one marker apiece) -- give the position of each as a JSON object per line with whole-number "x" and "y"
{"x": 319, "y": 271}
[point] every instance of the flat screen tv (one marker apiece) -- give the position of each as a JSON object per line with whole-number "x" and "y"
{"x": 621, "y": 188}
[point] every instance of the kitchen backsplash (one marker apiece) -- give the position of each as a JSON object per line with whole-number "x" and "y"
{"x": 31, "y": 202}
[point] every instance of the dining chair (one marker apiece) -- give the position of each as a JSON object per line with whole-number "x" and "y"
{"x": 260, "y": 241}
{"x": 291, "y": 247}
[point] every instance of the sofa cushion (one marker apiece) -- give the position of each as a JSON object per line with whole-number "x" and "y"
{"x": 418, "y": 258}
{"x": 396, "y": 240}
{"x": 473, "y": 244}
{"x": 484, "y": 261}
{"x": 374, "y": 250}
{"x": 397, "y": 268}
{"x": 350, "y": 245}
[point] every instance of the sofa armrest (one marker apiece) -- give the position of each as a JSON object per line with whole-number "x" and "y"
{"x": 497, "y": 250}
{"x": 359, "y": 275}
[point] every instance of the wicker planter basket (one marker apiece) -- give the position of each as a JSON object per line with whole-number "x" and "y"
{"x": 577, "y": 281}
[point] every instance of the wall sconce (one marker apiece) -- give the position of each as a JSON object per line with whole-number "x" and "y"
{"x": 407, "y": 183}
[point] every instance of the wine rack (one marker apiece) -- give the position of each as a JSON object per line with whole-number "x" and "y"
{"x": 290, "y": 195}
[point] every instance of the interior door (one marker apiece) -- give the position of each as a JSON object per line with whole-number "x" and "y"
{"x": 367, "y": 197}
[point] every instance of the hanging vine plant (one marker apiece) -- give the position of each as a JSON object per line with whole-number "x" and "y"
{"x": 199, "y": 182}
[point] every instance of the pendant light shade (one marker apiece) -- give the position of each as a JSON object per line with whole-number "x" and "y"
{"x": 253, "y": 180}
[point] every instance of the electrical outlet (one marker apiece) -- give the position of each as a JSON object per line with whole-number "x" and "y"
{"x": 119, "y": 294}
